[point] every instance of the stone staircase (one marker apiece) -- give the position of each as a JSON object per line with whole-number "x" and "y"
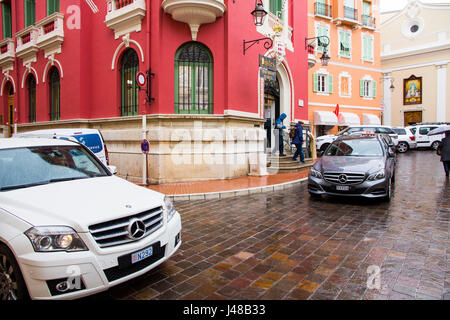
{"x": 277, "y": 164}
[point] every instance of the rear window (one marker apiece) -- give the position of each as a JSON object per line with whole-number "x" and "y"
{"x": 399, "y": 131}
{"x": 92, "y": 141}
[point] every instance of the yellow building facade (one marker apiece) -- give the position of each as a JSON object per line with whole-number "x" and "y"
{"x": 352, "y": 77}
{"x": 415, "y": 57}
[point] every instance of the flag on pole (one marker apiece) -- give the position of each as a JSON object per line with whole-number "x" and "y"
{"x": 336, "y": 111}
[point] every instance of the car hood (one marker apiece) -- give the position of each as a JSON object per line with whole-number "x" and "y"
{"x": 349, "y": 164}
{"x": 79, "y": 203}
{"x": 329, "y": 136}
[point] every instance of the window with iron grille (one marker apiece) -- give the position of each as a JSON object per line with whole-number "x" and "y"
{"x": 32, "y": 98}
{"x": 193, "y": 79}
{"x": 55, "y": 90}
{"x": 130, "y": 93}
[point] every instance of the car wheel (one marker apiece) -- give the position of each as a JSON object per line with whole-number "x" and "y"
{"x": 435, "y": 145}
{"x": 12, "y": 285}
{"x": 402, "y": 147}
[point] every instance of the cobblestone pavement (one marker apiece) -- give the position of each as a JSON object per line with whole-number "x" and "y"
{"x": 284, "y": 245}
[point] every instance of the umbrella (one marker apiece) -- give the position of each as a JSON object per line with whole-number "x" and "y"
{"x": 439, "y": 130}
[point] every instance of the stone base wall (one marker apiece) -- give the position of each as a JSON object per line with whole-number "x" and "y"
{"x": 182, "y": 147}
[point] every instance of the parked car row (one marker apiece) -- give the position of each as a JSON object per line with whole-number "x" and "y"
{"x": 69, "y": 227}
{"x": 404, "y": 138}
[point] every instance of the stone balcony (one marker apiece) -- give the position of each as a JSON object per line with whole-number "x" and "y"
{"x": 51, "y": 34}
{"x": 7, "y": 54}
{"x": 26, "y": 44}
{"x": 194, "y": 12}
{"x": 125, "y": 16}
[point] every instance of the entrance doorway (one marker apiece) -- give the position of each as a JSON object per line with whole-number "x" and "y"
{"x": 412, "y": 117}
{"x": 271, "y": 112}
{"x": 10, "y": 108}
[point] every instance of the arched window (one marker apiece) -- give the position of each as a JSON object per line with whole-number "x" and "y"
{"x": 54, "y": 85}
{"x": 31, "y": 81}
{"x": 128, "y": 71}
{"x": 193, "y": 79}
{"x": 52, "y": 6}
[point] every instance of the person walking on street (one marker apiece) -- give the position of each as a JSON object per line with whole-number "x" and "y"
{"x": 279, "y": 126}
{"x": 444, "y": 151}
{"x": 298, "y": 142}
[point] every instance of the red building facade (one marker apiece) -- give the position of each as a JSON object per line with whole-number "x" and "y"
{"x": 74, "y": 64}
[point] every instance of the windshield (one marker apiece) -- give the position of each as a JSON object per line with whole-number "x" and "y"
{"x": 399, "y": 131}
{"x": 27, "y": 167}
{"x": 355, "y": 148}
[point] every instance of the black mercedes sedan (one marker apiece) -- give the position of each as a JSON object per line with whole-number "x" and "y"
{"x": 362, "y": 166}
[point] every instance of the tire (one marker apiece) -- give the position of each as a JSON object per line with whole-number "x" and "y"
{"x": 12, "y": 285}
{"x": 435, "y": 145}
{"x": 403, "y": 147}
{"x": 323, "y": 148}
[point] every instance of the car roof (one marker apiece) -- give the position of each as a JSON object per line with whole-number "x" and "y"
{"x": 8, "y": 143}
{"x": 63, "y": 131}
{"x": 359, "y": 137}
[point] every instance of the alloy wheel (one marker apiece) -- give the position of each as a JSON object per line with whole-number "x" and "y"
{"x": 8, "y": 279}
{"x": 435, "y": 145}
{"x": 402, "y": 147}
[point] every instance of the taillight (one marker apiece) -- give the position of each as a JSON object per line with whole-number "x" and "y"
{"x": 106, "y": 155}
{"x": 413, "y": 138}
{"x": 395, "y": 136}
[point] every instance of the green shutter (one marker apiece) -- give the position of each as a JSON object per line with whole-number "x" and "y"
{"x": 7, "y": 20}
{"x": 315, "y": 82}
{"x": 366, "y": 8}
{"x": 361, "y": 88}
{"x": 30, "y": 17}
{"x": 330, "y": 84}
{"x": 52, "y": 6}
{"x": 370, "y": 48}
{"x": 374, "y": 89}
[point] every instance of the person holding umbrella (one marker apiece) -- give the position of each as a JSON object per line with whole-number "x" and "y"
{"x": 444, "y": 147}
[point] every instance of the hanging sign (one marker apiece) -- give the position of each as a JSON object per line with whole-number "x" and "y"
{"x": 267, "y": 63}
{"x": 268, "y": 74}
{"x": 141, "y": 79}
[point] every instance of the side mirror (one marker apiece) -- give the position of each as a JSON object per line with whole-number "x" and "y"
{"x": 112, "y": 169}
{"x": 345, "y": 134}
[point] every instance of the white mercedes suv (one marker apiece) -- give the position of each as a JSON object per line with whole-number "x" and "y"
{"x": 70, "y": 228}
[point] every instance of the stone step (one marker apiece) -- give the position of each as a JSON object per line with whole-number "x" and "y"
{"x": 290, "y": 169}
{"x": 287, "y": 163}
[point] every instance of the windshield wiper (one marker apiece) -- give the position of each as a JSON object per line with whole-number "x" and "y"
{"x": 66, "y": 179}
{"x": 21, "y": 186}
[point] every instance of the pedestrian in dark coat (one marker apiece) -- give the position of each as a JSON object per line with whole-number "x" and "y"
{"x": 444, "y": 148}
{"x": 298, "y": 142}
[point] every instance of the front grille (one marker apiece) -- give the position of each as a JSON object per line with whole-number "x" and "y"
{"x": 114, "y": 233}
{"x": 352, "y": 178}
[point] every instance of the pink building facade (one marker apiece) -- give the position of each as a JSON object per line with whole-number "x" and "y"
{"x": 72, "y": 64}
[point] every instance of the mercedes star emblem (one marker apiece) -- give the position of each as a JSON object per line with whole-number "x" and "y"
{"x": 136, "y": 229}
{"x": 342, "y": 178}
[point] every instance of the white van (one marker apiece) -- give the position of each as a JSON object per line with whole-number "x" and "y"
{"x": 420, "y": 131}
{"x": 91, "y": 138}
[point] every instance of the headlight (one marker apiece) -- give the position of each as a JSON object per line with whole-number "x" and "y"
{"x": 315, "y": 173}
{"x": 55, "y": 238}
{"x": 376, "y": 176}
{"x": 170, "y": 209}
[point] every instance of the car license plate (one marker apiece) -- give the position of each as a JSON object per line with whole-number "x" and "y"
{"x": 141, "y": 255}
{"x": 342, "y": 188}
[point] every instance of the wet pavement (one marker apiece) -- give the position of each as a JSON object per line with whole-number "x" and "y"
{"x": 284, "y": 245}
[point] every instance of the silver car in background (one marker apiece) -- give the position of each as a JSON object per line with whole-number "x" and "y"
{"x": 406, "y": 139}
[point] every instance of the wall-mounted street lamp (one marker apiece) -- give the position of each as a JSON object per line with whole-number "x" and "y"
{"x": 259, "y": 15}
{"x": 322, "y": 41}
{"x": 392, "y": 84}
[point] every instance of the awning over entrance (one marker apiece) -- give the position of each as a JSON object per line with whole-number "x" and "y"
{"x": 371, "y": 119}
{"x": 349, "y": 119}
{"x": 325, "y": 118}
